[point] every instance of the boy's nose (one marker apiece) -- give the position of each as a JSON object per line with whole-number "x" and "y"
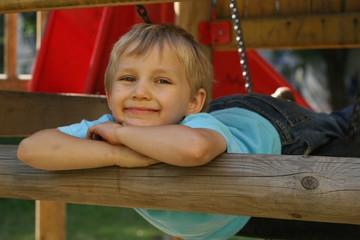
{"x": 141, "y": 90}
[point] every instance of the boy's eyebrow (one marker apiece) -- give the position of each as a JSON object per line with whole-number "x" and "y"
{"x": 157, "y": 70}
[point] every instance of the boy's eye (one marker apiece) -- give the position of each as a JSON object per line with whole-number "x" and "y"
{"x": 163, "y": 81}
{"x": 128, "y": 79}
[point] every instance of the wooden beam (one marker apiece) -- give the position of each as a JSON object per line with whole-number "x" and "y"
{"x": 24, "y": 113}
{"x": 318, "y": 31}
{"x": 12, "y": 85}
{"x": 311, "y": 188}
{"x": 287, "y": 8}
{"x": 11, "y": 6}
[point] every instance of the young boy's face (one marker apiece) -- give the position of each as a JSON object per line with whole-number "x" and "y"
{"x": 151, "y": 90}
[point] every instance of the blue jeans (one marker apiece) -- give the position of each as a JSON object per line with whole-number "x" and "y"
{"x": 301, "y": 130}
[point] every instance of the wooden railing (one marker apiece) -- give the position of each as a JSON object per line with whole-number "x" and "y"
{"x": 27, "y": 113}
{"x": 313, "y": 188}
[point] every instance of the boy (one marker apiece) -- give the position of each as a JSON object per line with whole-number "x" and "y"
{"x": 158, "y": 82}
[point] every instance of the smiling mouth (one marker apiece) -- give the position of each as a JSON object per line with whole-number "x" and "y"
{"x": 139, "y": 110}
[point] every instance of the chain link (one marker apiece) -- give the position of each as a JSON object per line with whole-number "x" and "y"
{"x": 143, "y": 13}
{"x": 355, "y": 118}
{"x": 241, "y": 47}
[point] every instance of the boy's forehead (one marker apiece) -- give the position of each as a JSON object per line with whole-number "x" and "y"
{"x": 166, "y": 54}
{"x": 140, "y": 46}
{"x": 138, "y": 50}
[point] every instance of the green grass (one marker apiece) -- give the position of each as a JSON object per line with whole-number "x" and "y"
{"x": 84, "y": 222}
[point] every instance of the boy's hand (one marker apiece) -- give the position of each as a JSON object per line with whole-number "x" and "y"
{"x": 104, "y": 131}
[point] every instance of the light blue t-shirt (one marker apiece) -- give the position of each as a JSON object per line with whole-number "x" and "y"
{"x": 244, "y": 132}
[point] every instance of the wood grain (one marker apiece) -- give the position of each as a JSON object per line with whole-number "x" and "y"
{"x": 50, "y": 220}
{"x": 300, "y": 24}
{"x": 325, "y": 189}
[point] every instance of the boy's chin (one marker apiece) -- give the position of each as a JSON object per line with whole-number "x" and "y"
{"x": 142, "y": 123}
{"x": 138, "y": 123}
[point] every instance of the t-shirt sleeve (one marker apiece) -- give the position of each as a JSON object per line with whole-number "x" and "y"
{"x": 204, "y": 120}
{"x": 80, "y": 129}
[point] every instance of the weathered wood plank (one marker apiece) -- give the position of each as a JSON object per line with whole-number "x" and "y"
{"x": 271, "y": 8}
{"x": 259, "y": 8}
{"x": 328, "y": 31}
{"x": 11, "y": 6}
{"x": 352, "y": 6}
{"x": 25, "y": 113}
{"x": 326, "y": 6}
{"x": 312, "y": 188}
{"x": 293, "y": 8}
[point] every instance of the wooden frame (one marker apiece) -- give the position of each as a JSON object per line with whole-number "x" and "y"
{"x": 288, "y": 187}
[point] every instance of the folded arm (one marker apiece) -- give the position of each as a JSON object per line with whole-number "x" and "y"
{"x": 173, "y": 144}
{"x": 53, "y": 150}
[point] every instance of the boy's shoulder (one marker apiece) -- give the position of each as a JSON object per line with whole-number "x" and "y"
{"x": 201, "y": 117}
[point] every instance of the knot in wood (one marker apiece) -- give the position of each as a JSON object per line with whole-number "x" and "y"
{"x": 309, "y": 183}
{"x": 295, "y": 215}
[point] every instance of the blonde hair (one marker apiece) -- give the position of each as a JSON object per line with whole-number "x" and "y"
{"x": 199, "y": 70}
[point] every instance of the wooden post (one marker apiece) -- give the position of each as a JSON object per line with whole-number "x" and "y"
{"x": 10, "y": 42}
{"x": 189, "y": 14}
{"x": 50, "y": 222}
{"x": 41, "y": 18}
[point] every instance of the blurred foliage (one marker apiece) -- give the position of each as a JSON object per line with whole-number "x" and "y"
{"x": 29, "y": 23}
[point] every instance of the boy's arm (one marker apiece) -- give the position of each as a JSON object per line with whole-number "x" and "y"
{"x": 173, "y": 144}
{"x": 53, "y": 150}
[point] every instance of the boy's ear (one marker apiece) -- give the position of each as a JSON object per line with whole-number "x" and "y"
{"x": 197, "y": 103}
{"x": 108, "y": 99}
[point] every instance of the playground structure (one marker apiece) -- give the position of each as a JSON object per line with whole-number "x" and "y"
{"x": 302, "y": 188}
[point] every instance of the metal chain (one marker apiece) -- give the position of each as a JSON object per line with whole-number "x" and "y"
{"x": 355, "y": 118}
{"x": 241, "y": 46}
{"x": 143, "y": 13}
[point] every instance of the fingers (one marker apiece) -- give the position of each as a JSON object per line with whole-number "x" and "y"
{"x": 90, "y": 134}
{"x": 104, "y": 132}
